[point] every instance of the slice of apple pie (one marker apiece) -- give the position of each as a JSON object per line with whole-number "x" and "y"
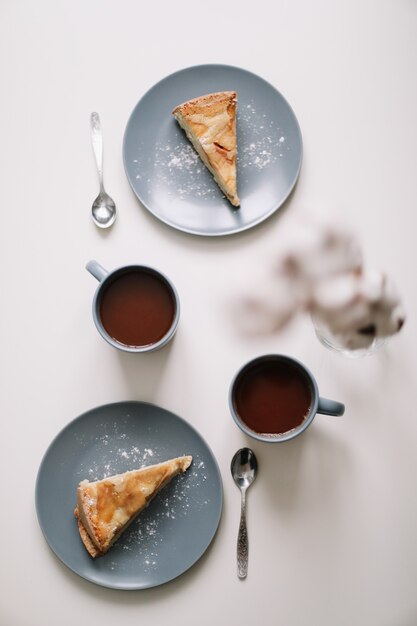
{"x": 210, "y": 124}
{"x": 105, "y": 508}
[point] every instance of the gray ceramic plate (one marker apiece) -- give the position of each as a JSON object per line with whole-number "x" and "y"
{"x": 170, "y": 180}
{"x": 176, "y": 528}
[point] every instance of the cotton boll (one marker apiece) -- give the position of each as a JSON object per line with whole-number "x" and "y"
{"x": 339, "y": 303}
{"x": 352, "y": 340}
{"x": 346, "y": 319}
{"x": 319, "y": 268}
{"x": 388, "y": 320}
{"x": 358, "y": 309}
{"x": 385, "y": 322}
{"x": 390, "y": 293}
{"x": 344, "y": 334}
{"x": 372, "y": 285}
{"x": 335, "y": 293}
{"x": 386, "y": 312}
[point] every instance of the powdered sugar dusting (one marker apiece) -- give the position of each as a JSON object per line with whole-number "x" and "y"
{"x": 117, "y": 449}
{"x": 179, "y": 169}
{"x": 146, "y": 535}
{"x": 173, "y": 161}
{"x": 262, "y": 142}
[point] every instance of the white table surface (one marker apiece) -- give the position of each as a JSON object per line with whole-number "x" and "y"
{"x": 333, "y": 516}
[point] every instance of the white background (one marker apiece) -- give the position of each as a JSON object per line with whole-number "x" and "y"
{"x": 333, "y": 515}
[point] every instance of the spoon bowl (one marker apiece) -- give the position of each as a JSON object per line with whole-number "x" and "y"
{"x": 103, "y": 210}
{"x": 244, "y": 468}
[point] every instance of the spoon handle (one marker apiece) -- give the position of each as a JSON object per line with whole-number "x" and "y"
{"x": 97, "y": 141}
{"x": 242, "y": 541}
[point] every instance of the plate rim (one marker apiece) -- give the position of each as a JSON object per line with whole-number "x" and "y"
{"x": 37, "y": 496}
{"x": 232, "y": 231}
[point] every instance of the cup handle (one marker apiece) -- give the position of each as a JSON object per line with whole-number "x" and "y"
{"x": 330, "y": 407}
{"x": 96, "y": 270}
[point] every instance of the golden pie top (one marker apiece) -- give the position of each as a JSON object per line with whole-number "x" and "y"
{"x": 106, "y": 507}
{"x": 210, "y": 124}
{"x": 212, "y": 118}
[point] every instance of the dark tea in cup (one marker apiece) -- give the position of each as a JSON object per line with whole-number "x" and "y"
{"x": 275, "y": 398}
{"x": 136, "y": 308}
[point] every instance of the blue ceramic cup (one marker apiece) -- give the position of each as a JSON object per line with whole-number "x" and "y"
{"x": 105, "y": 279}
{"x": 317, "y": 403}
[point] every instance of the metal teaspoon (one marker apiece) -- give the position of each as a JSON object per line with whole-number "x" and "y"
{"x": 244, "y": 468}
{"x": 103, "y": 210}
